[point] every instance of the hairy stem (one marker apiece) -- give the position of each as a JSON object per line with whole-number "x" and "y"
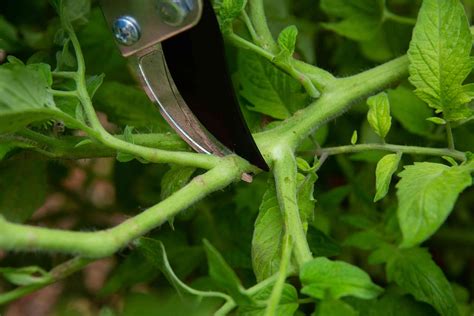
{"x": 105, "y": 243}
{"x": 450, "y": 137}
{"x": 338, "y": 97}
{"x": 393, "y": 148}
{"x": 66, "y": 147}
{"x": 285, "y": 179}
{"x": 259, "y": 21}
{"x": 277, "y": 290}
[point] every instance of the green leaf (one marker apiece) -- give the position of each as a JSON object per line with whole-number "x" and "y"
{"x": 224, "y": 276}
{"x": 386, "y": 167}
{"x": 23, "y": 185}
{"x": 427, "y": 193}
{"x": 176, "y": 178}
{"x": 366, "y": 240}
{"x": 25, "y": 96}
{"x": 287, "y": 306}
{"x": 132, "y": 270}
{"x": 361, "y": 19}
{"x": 9, "y": 39}
{"x": 414, "y": 271}
{"x": 354, "y": 137}
{"x": 379, "y": 114}
{"x": 410, "y": 111}
{"x": 440, "y": 58}
{"x": 334, "y": 308}
{"x": 268, "y": 89}
{"x": 326, "y": 279}
{"x": 25, "y": 276}
{"x": 322, "y": 245}
{"x": 154, "y": 251}
{"x": 267, "y": 235}
{"x": 128, "y": 105}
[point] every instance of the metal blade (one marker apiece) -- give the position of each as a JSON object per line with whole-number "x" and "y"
{"x": 197, "y": 64}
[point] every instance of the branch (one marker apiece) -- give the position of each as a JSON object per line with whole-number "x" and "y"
{"x": 66, "y": 147}
{"x": 104, "y": 243}
{"x": 259, "y": 21}
{"x": 337, "y": 98}
{"x": 392, "y": 148}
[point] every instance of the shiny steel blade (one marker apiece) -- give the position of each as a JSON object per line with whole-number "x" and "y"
{"x": 197, "y": 63}
{"x": 187, "y": 74}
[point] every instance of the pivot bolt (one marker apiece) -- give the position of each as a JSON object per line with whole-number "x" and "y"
{"x": 126, "y": 30}
{"x": 173, "y": 12}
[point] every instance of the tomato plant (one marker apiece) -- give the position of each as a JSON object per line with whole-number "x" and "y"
{"x": 362, "y": 108}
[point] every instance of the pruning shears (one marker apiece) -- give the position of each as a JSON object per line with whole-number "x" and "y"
{"x": 177, "y": 50}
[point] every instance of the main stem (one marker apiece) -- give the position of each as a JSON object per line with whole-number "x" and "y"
{"x": 104, "y": 243}
{"x": 285, "y": 180}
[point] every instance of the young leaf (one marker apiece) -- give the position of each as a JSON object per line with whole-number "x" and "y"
{"x": 379, "y": 114}
{"x": 414, "y": 271}
{"x": 427, "y": 193}
{"x": 440, "y": 58}
{"x": 436, "y": 120}
{"x": 268, "y": 89}
{"x": 23, "y": 185}
{"x": 228, "y": 11}
{"x": 326, "y": 279}
{"x": 361, "y": 19}
{"x": 287, "y": 44}
{"x": 26, "y": 275}
{"x": 224, "y": 276}
{"x": 354, "y": 138}
{"x": 25, "y": 96}
{"x": 386, "y": 167}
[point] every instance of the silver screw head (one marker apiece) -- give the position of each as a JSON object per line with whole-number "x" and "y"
{"x": 126, "y": 30}
{"x": 173, "y": 12}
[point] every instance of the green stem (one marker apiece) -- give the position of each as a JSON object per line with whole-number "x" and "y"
{"x": 58, "y": 273}
{"x": 65, "y": 94}
{"x": 259, "y": 21}
{"x": 65, "y": 147}
{"x": 285, "y": 179}
{"x": 248, "y": 24}
{"x": 104, "y": 243}
{"x": 388, "y": 15}
{"x": 277, "y": 290}
{"x": 225, "y": 309}
{"x": 65, "y": 74}
{"x": 393, "y": 148}
{"x": 262, "y": 285}
{"x": 450, "y": 137}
